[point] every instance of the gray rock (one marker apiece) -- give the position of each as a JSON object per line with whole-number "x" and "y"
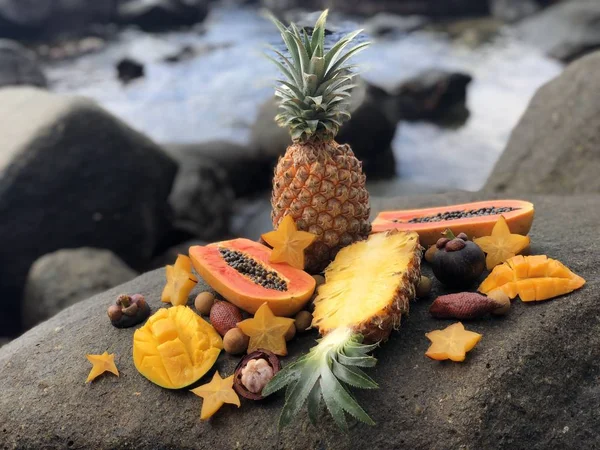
{"x": 513, "y": 10}
{"x": 19, "y": 66}
{"x": 155, "y": 15}
{"x": 530, "y": 383}
{"x": 566, "y": 30}
{"x": 202, "y": 200}
{"x": 555, "y": 146}
{"x": 247, "y": 170}
{"x": 72, "y": 175}
{"x": 170, "y": 255}
{"x": 128, "y": 69}
{"x": 62, "y": 278}
{"x": 385, "y": 24}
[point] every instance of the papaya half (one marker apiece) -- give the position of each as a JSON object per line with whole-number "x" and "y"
{"x": 474, "y": 219}
{"x": 240, "y": 271}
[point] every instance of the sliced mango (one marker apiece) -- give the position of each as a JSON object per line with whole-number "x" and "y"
{"x": 451, "y": 343}
{"x": 532, "y": 278}
{"x": 175, "y": 347}
{"x": 501, "y": 244}
{"x": 180, "y": 282}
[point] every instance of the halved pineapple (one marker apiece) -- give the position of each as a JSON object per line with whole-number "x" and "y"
{"x": 369, "y": 285}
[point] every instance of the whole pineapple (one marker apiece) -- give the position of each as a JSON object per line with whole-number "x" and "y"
{"x": 318, "y": 182}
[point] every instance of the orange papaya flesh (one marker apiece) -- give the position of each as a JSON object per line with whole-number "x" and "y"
{"x": 532, "y": 278}
{"x": 474, "y": 219}
{"x": 285, "y": 289}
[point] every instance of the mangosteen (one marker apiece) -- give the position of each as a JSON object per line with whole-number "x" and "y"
{"x": 128, "y": 310}
{"x": 458, "y": 263}
{"x": 253, "y": 373}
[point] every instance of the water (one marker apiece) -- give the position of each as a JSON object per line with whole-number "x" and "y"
{"x": 215, "y": 95}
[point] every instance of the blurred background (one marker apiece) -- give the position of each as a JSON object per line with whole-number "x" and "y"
{"x": 133, "y": 128}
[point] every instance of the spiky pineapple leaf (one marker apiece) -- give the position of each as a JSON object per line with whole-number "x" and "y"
{"x": 320, "y": 374}
{"x": 312, "y": 72}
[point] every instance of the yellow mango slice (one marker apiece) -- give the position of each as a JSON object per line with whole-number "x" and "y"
{"x": 532, "y": 278}
{"x": 175, "y": 347}
{"x": 451, "y": 343}
{"x": 180, "y": 282}
{"x": 501, "y": 244}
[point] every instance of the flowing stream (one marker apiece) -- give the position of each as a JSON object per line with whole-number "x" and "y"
{"x": 216, "y": 93}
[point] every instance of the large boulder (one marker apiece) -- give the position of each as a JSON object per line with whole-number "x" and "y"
{"x": 566, "y": 30}
{"x": 72, "y": 175}
{"x": 538, "y": 365}
{"x": 513, "y": 10}
{"x": 555, "y": 146}
{"x": 19, "y": 66}
{"x": 62, "y": 278}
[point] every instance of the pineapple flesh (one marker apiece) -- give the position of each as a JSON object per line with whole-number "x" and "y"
{"x": 369, "y": 285}
{"x": 318, "y": 182}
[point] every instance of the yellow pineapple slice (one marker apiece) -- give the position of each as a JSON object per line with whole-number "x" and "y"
{"x": 532, "y": 278}
{"x": 369, "y": 285}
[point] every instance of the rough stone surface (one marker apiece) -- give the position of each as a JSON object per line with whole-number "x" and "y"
{"x": 62, "y": 278}
{"x": 555, "y": 146}
{"x": 19, "y": 66}
{"x": 72, "y": 175}
{"x": 532, "y": 381}
{"x": 566, "y": 30}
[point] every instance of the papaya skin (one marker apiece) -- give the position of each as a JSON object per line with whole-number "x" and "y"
{"x": 240, "y": 290}
{"x": 519, "y": 221}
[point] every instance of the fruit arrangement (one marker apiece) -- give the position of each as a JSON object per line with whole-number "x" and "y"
{"x": 266, "y": 295}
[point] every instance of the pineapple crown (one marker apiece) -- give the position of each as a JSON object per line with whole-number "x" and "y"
{"x": 314, "y": 100}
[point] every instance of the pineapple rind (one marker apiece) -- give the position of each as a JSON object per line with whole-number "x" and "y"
{"x": 334, "y": 309}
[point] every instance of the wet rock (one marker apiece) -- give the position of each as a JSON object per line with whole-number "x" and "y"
{"x": 62, "y": 278}
{"x": 392, "y": 25}
{"x": 19, "y": 66}
{"x": 566, "y": 30}
{"x": 537, "y": 364}
{"x": 513, "y": 10}
{"x": 554, "y": 147}
{"x": 434, "y": 94}
{"x": 170, "y": 255}
{"x": 246, "y": 169}
{"x": 72, "y": 175}
{"x": 201, "y": 200}
{"x": 156, "y": 15}
{"x": 129, "y": 69}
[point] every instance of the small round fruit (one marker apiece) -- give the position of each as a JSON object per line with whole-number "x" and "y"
{"x": 204, "y": 302}
{"x": 224, "y": 316}
{"x": 303, "y": 321}
{"x": 290, "y": 333}
{"x": 320, "y": 279}
{"x": 424, "y": 287}
{"x": 114, "y": 313}
{"x": 235, "y": 342}
{"x": 458, "y": 264}
{"x": 430, "y": 252}
{"x": 500, "y": 296}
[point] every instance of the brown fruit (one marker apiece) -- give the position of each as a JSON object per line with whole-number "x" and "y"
{"x": 224, "y": 316}
{"x": 501, "y": 298}
{"x": 303, "y": 321}
{"x": 430, "y": 252}
{"x": 291, "y": 332}
{"x": 424, "y": 287}
{"x": 204, "y": 302}
{"x": 235, "y": 342}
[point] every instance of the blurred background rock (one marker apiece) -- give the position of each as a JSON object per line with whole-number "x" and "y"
{"x": 137, "y": 127}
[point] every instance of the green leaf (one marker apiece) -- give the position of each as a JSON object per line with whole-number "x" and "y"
{"x": 317, "y": 67}
{"x": 308, "y": 377}
{"x": 307, "y": 43}
{"x": 314, "y": 401}
{"x": 333, "y": 407}
{"x": 352, "y": 376}
{"x": 281, "y": 68}
{"x": 293, "y": 88}
{"x": 352, "y": 52}
{"x": 339, "y": 46}
{"x": 318, "y": 37}
{"x": 331, "y": 386}
{"x": 364, "y": 361}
